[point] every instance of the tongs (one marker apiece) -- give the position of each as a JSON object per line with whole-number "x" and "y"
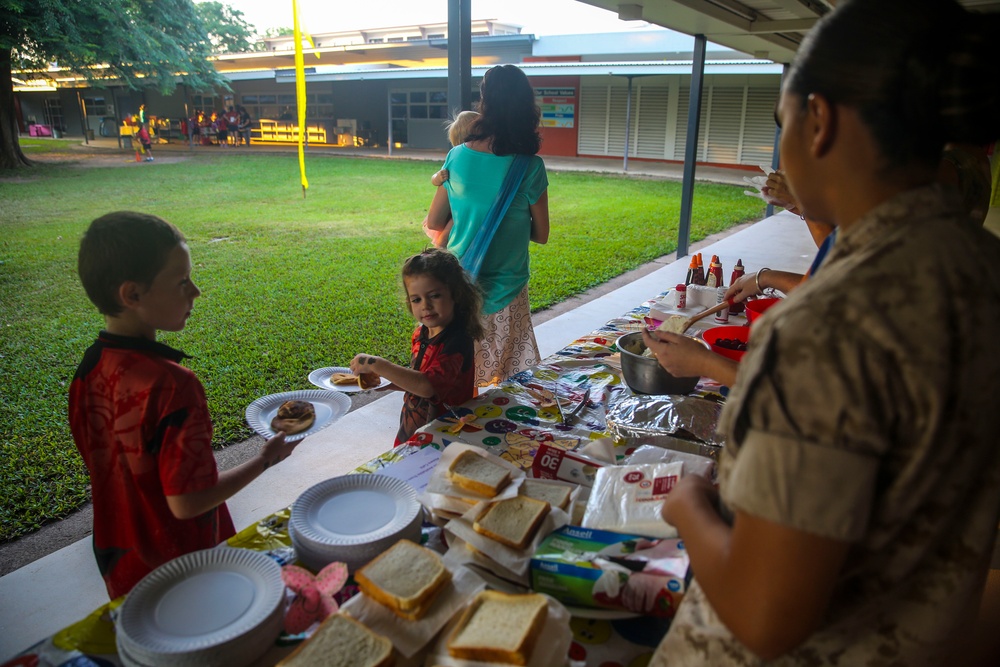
{"x": 576, "y": 410}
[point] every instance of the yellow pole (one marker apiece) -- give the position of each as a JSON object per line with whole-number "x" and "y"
{"x": 300, "y": 93}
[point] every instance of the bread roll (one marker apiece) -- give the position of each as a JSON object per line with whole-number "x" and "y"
{"x": 294, "y": 417}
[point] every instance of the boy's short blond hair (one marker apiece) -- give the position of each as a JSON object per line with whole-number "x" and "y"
{"x": 461, "y": 127}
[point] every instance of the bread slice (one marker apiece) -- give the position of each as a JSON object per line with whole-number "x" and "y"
{"x": 513, "y": 521}
{"x": 406, "y": 579}
{"x": 557, "y": 495}
{"x": 478, "y": 474}
{"x": 340, "y": 641}
{"x": 498, "y": 627}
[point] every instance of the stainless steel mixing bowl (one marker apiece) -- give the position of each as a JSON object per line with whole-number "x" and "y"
{"x": 644, "y": 375}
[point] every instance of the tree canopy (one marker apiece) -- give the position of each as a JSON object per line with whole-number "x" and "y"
{"x": 227, "y": 30}
{"x": 158, "y": 43}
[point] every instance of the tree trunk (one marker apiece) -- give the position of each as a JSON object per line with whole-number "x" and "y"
{"x": 11, "y": 156}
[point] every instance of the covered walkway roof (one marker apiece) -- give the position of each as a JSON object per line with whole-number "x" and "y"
{"x": 771, "y": 29}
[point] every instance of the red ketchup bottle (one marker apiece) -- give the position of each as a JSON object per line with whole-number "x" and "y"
{"x": 714, "y": 277}
{"x": 737, "y": 307}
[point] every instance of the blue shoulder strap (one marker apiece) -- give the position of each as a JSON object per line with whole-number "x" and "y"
{"x": 472, "y": 260}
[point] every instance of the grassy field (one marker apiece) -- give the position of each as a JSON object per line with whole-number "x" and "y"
{"x": 290, "y": 284}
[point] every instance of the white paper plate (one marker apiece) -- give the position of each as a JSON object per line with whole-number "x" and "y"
{"x": 318, "y": 556}
{"x": 329, "y": 408}
{"x": 241, "y": 651}
{"x": 321, "y": 378}
{"x": 354, "y": 510}
{"x": 200, "y": 600}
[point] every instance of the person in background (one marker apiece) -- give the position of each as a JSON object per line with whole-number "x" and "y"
{"x": 245, "y": 123}
{"x": 507, "y": 126}
{"x": 446, "y": 305}
{"x": 859, "y": 487}
{"x": 221, "y": 128}
{"x": 139, "y": 419}
{"x": 147, "y": 143}
{"x": 233, "y": 123}
{"x": 458, "y": 131}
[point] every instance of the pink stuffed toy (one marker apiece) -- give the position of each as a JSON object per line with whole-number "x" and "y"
{"x": 313, "y": 600}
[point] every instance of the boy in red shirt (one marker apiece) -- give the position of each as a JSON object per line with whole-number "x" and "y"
{"x": 139, "y": 418}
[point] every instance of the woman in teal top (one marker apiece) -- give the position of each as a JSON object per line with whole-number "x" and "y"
{"x": 507, "y": 126}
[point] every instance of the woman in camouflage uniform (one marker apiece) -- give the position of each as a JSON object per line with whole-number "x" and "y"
{"x": 860, "y": 483}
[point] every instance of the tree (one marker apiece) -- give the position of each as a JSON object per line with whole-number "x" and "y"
{"x": 269, "y": 33}
{"x": 226, "y": 28}
{"x": 133, "y": 42}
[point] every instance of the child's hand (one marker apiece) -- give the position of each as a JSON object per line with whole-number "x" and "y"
{"x": 363, "y": 363}
{"x": 276, "y": 450}
{"x": 439, "y": 177}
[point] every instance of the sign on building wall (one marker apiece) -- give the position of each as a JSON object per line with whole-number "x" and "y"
{"x": 558, "y": 106}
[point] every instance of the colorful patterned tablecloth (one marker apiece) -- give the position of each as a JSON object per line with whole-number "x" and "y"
{"x": 510, "y": 420}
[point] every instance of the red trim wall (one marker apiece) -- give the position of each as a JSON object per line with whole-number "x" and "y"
{"x": 560, "y": 140}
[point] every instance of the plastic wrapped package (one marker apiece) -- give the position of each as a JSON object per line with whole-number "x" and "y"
{"x": 642, "y": 419}
{"x": 694, "y": 464}
{"x": 629, "y": 498}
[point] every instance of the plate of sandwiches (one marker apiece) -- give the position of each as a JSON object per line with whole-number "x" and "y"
{"x": 340, "y": 378}
{"x": 298, "y": 414}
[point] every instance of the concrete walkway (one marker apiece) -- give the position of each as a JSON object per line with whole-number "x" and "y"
{"x": 61, "y": 588}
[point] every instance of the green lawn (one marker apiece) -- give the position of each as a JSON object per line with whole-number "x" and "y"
{"x": 290, "y": 283}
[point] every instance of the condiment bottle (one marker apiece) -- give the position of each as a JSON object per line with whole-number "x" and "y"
{"x": 737, "y": 307}
{"x": 714, "y": 276}
{"x": 699, "y": 271}
{"x": 723, "y": 315}
{"x": 692, "y": 267}
{"x": 681, "y": 296}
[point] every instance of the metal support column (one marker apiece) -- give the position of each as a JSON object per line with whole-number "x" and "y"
{"x": 459, "y": 56}
{"x": 691, "y": 147}
{"x": 775, "y": 157}
{"x": 628, "y": 122}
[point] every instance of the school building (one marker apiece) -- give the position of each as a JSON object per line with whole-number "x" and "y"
{"x": 600, "y": 94}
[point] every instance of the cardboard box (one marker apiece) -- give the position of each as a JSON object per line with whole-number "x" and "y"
{"x": 554, "y": 463}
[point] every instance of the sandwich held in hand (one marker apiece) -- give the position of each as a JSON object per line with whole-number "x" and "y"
{"x": 294, "y": 417}
{"x": 365, "y": 380}
{"x": 498, "y": 627}
{"x": 406, "y": 579}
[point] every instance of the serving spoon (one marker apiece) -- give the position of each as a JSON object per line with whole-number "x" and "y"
{"x": 678, "y": 324}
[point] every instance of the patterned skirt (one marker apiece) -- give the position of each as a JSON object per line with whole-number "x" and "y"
{"x": 509, "y": 345}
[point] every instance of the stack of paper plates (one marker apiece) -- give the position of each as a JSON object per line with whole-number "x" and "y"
{"x": 352, "y": 519}
{"x": 216, "y": 607}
